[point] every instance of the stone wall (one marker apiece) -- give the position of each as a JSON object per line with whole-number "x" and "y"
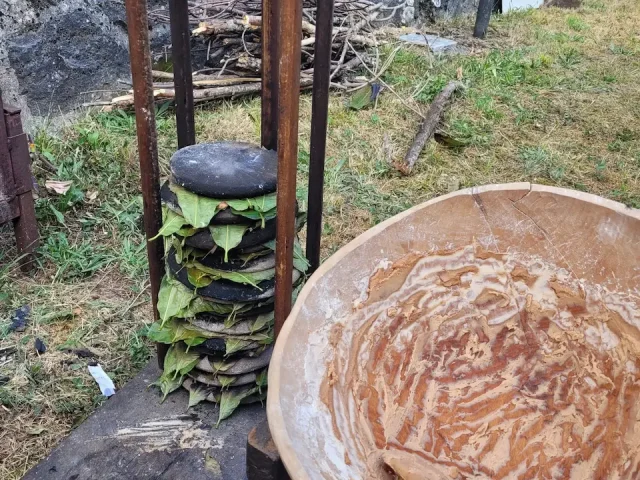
{"x": 53, "y": 51}
{"x": 429, "y": 10}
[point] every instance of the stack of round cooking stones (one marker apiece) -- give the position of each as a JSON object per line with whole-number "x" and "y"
{"x": 216, "y": 300}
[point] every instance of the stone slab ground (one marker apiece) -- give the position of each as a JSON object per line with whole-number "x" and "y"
{"x": 136, "y": 437}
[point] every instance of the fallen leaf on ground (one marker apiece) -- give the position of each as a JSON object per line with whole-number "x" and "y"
{"x": 212, "y": 465}
{"x": 58, "y": 186}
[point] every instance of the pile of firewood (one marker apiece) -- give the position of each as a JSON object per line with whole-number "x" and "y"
{"x": 231, "y": 32}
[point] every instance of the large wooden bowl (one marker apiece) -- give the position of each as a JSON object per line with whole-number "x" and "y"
{"x": 596, "y": 240}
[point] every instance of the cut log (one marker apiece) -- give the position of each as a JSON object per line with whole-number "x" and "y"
{"x": 236, "y": 91}
{"x": 213, "y": 82}
{"x": 428, "y": 127}
{"x": 255, "y": 21}
{"x": 207, "y": 94}
{"x": 162, "y": 75}
{"x": 216, "y": 27}
{"x": 247, "y": 62}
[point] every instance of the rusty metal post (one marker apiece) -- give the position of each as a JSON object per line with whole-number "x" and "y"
{"x": 140, "y": 56}
{"x": 7, "y": 187}
{"x": 319, "y": 116}
{"x": 483, "y": 16}
{"x": 288, "y": 114}
{"x": 270, "y": 42}
{"x": 182, "y": 74}
{"x": 25, "y": 225}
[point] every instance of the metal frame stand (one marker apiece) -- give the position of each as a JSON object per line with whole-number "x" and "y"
{"x": 16, "y": 200}
{"x": 281, "y": 37}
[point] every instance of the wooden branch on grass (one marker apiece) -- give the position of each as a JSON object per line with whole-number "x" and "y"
{"x": 235, "y": 40}
{"x": 214, "y": 82}
{"x": 206, "y": 94}
{"x": 236, "y": 91}
{"x": 428, "y": 127}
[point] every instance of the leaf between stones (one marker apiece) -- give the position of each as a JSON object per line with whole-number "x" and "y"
{"x": 264, "y": 203}
{"x": 249, "y": 278}
{"x": 168, "y": 384}
{"x": 185, "y": 361}
{"x": 255, "y": 215}
{"x": 229, "y": 401}
{"x": 198, "y": 394}
{"x": 172, "y": 298}
{"x": 233, "y": 345}
{"x": 226, "y": 380}
{"x": 262, "y": 321}
{"x": 179, "y": 330}
{"x": 198, "y": 278}
{"x": 261, "y": 379}
{"x": 300, "y": 262}
{"x": 196, "y": 209}
{"x": 172, "y": 222}
{"x": 227, "y": 236}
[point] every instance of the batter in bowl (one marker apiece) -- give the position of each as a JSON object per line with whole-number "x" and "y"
{"x": 484, "y": 365}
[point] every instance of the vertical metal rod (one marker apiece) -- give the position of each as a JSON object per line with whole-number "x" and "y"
{"x": 182, "y": 75}
{"x": 25, "y": 225}
{"x": 319, "y": 116}
{"x": 270, "y": 42}
{"x": 482, "y": 18}
{"x": 7, "y": 188}
{"x": 289, "y": 102}
{"x": 140, "y": 57}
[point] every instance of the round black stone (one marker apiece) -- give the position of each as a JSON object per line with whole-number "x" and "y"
{"x": 223, "y": 217}
{"x": 216, "y": 347}
{"x": 213, "y": 381}
{"x": 255, "y": 249}
{"x": 225, "y": 170}
{"x": 242, "y": 327}
{"x": 251, "y": 238}
{"x": 236, "y": 366}
{"x": 259, "y": 309}
{"x": 222, "y": 289}
{"x": 235, "y": 264}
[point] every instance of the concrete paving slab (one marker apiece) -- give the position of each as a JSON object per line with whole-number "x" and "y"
{"x": 437, "y": 44}
{"x": 135, "y": 437}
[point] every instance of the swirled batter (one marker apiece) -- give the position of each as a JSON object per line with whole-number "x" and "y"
{"x": 481, "y": 365}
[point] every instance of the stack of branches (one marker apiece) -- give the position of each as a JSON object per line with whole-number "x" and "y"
{"x": 231, "y": 32}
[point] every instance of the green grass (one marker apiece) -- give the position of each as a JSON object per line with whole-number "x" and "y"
{"x": 549, "y": 97}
